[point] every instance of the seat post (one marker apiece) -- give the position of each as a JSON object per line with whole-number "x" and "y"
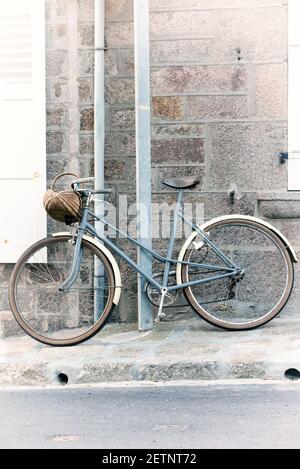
{"x": 178, "y": 207}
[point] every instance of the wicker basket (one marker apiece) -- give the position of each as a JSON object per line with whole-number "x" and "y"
{"x": 64, "y": 206}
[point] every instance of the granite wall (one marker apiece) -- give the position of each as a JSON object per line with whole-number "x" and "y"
{"x": 219, "y": 105}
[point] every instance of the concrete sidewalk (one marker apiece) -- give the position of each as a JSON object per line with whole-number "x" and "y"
{"x": 186, "y": 349}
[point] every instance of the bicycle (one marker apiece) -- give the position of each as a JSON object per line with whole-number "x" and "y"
{"x": 236, "y": 272}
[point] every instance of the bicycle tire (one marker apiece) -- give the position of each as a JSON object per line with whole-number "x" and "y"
{"x": 265, "y": 318}
{"x": 43, "y": 244}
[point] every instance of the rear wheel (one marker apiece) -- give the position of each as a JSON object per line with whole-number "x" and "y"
{"x": 251, "y": 299}
{"x": 54, "y": 317}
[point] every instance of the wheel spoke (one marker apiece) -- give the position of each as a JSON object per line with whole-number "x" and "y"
{"x": 249, "y": 299}
{"x": 61, "y": 317}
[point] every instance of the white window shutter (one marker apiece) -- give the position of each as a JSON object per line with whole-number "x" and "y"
{"x": 294, "y": 95}
{"x": 22, "y": 126}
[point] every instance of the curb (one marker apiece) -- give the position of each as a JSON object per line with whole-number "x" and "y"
{"x": 48, "y": 374}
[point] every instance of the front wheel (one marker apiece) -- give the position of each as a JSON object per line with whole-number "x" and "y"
{"x": 55, "y": 317}
{"x": 244, "y": 301}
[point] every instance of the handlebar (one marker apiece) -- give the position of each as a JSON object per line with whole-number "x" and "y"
{"x": 77, "y": 182}
{"x": 101, "y": 191}
{"x": 83, "y": 180}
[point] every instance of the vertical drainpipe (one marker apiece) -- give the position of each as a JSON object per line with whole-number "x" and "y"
{"x": 99, "y": 133}
{"x": 143, "y": 153}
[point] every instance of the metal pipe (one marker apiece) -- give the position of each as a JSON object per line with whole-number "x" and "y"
{"x": 99, "y": 103}
{"x": 99, "y": 135}
{"x": 143, "y": 154}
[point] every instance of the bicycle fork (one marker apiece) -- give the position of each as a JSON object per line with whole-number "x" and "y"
{"x": 78, "y": 252}
{"x": 76, "y": 263}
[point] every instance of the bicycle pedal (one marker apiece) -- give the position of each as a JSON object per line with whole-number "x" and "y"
{"x": 160, "y": 316}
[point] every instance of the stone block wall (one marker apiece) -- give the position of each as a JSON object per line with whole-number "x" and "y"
{"x": 219, "y": 102}
{"x": 219, "y": 98}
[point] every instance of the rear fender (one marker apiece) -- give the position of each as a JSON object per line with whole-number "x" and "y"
{"x": 203, "y": 227}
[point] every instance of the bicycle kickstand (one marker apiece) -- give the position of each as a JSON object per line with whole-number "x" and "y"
{"x": 160, "y": 314}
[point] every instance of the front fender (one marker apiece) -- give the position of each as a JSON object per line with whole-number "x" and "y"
{"x": 193, "y": 235}
{"x": 109, "y": 256}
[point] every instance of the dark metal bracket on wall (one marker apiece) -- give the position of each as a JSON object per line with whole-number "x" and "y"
{"x": 232, "y": 197}
{"x": 283, "y": 157}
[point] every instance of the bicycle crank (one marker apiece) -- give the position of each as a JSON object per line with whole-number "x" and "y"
{"x": 155, "y": 296}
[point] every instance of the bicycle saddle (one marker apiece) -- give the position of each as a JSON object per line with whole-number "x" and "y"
{"x": 181, "y": 183}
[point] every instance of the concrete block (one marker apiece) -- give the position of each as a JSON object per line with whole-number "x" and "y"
{"x": 119, "y": 9}
{"x": 83, "y": 166}
{"x": 127, "y": 311}
{"x": 86, "y": 144}
{"x": 23, "y": 374}
{"x": 87, "y": 119}
{"x": 57, "y": 90}
{"x": 204, "y": 78}
{"x": 178, "y": 151}
{"x": 120, "y": 91}
{"x": 119, "y": 62}
{"x": 62, "y": 164}
{"x": 54, "y": 167}
{"x": 291, "y": 229}
{"x": 86, "y": 35}
{"x": 272, "y": 91}
{"x": 56, "y": 10}
{"x": 8, "y": 325}
{"x": 221, "y": 107}
{"x": 219, "y": 204}
{"x": 57, "y": 36}
{"x": 56, "y": 63}
{"x": 110, "y": 143}
{"x": 115, "y": 170}
{"x": 167, "y": 108}
{"x": 128, "y": 300}
{"x": 280, "y": 208}
{"x": 290, "y": 237}
{"x": 182, "y": 4}
{"x": 86, "y": 10}
{"x": 119, "y": 34}
{"x": 121, "y": 119}
{"x": 55, "y": 142}
{"x": 129, "y": 188}
{"x": 180, "y": 51}
{"x": 245, "y": 155}
{"x": 86, "y": 62}
{"x": 259, "y": 33}
{"x": 98, "y": 373}
{"x": 178, "y": 130}
{"x": 4, "y": 303}
{"x": 175, "y": 371}
{"x": 242, "y": 370}
{"x": 183, "y": 23}
{"x": 291, "y": 310}
{"x": 124, "y": 143}
{"x": 56, "y": 117}
{"x": 86, "y": 90}
{"x": 5, "y": 274}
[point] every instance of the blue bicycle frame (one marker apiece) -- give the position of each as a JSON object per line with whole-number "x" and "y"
{"x": 85, "y": 227}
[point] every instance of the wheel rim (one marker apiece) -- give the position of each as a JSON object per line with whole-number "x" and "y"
{"x": 51, "y": 316}
{"x": 260, "y": 294}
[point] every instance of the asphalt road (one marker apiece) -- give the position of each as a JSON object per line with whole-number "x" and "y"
{"x": 176, "y": 416}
